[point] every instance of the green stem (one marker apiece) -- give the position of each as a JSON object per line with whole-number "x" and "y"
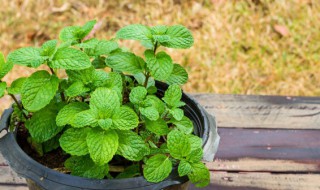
{"x": 63, "y": 98}
{"x": 148, "y": 73}
{"x": 19, "y": 105}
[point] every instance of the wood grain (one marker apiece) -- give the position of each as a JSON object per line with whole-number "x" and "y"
{"x": 250, "y": 111}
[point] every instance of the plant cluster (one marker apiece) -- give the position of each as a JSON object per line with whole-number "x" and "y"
{"x": 99, "y": 117}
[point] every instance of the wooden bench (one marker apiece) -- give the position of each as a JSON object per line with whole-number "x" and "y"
{"x": 267, "y": 142}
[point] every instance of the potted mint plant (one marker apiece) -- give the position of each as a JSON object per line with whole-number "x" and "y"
{"x": 117, "y": 121}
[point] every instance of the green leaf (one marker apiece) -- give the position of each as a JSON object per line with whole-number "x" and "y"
{"x": 185, "y": 125}
{"x": 102, "y": 47}
{"x": 105, "y": 123}
{"x": 4, "y": 67}
{"x": 76, "y": 33}
{"x": 155, "y": 102}
{"x": 73, "y": 141}
{"x": 173, "y": 95}
{"x": 199, "y": 175}
{"x": 84, "y": 118}
{"x": 48, "y": 48}
{"x": 27, "y": 56}
{"x": 83, "y": 166}
{"x": 68, "y": 112}
{"x": 178, "y": 37}
{"x": 84, "y": 75}
{"x": 129, "y": 172}
{"x": 125, "y": 118}
{"x": 91, "y": 43}
{"x": 51, "y": 144}
{"x": 104, "y": 102}
{"x": 161, "y": 65}
{"x": 135, "y": 32}
{"x": 178, "y": 144}
{"x": 75, "y": 89}
{"x": 184, "y": 168}
{"x": 178, "y": 76}
{"x": 159, "y": 30}
{"x": 69, "y": 58}
{"x": 114, "y": 82}
{"x": 125, "y": 62}
{"x": 150, "y": 112}
{"x": 132, "y": 146}
{"x": 38, "y": 90}
{"x": 16, "y": 86}
{"x": 177, "y": 113}
{"x": 102, "y": 145}
{"x": 158, "y": 127}
{"x": 195, "y": 142}
{"x": 87, "y": 27}
{"x": 196, "y": 153}
{"x": 99, "y": 63}
{"x": 42, "y": 125}
{"x": 140, "y": 77}
{"x": 3, "y": 86}
{"x": 157, "y": 168}
{"x": 138, "y": 94}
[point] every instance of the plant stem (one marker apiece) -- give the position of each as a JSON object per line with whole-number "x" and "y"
{"x": 19, "y": 105}
{"x": 63, "y": 98}
{"x": 148, "y": 73}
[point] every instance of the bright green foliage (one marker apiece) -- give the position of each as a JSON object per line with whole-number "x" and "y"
{"x": 76, "y": 88}
{"x": 150, "y": 113}
{"x": 68, "y": 112}
{"x": 129, "y": 172}
{"x": 4, "y": 67}
{"x": 160, "y": 64}
{"x": 16, "y": 86}
{"x": 104, "y": 102}
{"x": 83, "y": 166}
{"x": 102, "y": 145}
{"x": 157, "y": 168}
{"x": 38, "y": 90}
{"x": 184, "y": 168}
{"x": 84, "y": 118}
{"x": 135, "y": 32}
{"x": 138, "y": 94}
{"x": 199, "y": 175}
{"x": 69, "y": 58}
{"x": 3, "y": 87}
{"x": 27, "y": 56}
{"x": 185, "y": 125}
{"x": 178, "y": 144}
{"x": 102, "y": 47}
{"x": 178, "y": 76}
{"x": 131, "y": 146}
{"x": 125, "y": 62}
{"x": 177, "y": 113}
{"x": 158, "y": 127}
{"x": 76, "y": 33}
{"x": 73, "y": 141}
{"x": 48, "y": 48}
{"x": 124, "y": 119}
{"x": 196, "y": 153}
{"x": 173, "y": 95}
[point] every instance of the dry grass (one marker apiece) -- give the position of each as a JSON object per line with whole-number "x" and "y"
{"x": 242, "y": 47}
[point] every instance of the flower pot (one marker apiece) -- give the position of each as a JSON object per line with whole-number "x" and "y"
{"x": 41, "y": 177}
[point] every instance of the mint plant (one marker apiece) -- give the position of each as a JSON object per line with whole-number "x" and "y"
{"x": 102, "y": 118}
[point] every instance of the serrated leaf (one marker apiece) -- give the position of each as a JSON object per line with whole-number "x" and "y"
{"x": 179, "y": 37}
{"x": 178, "y": 76}
{"x": 84, "y": 118}
{"x": 3, "y": 86}
{"x": 178, "y": 144}
{"x": 196, "y": 153}
{"x": 177, "y": 113}
{"x": 132, "y": 146}
{"x": 199, "y": 175}
{"x": 42, "y": 125}
{"x": 99, "y": 62}
{"x": 135, "y": 32}
{"x": 102, "y": 145}
{"x": 38, "y": 90}
{"x": 173, "y": 95}
{"x": 140, "y": 77}
{"x": 184, "y": 168}
{"x": 158, "y": 127}
{"x": 129, "y": 172}
{"x": 84, "y": 75}
{"x": 157, "y": 168}
{"x": 4, "y": 67}
{"x": 114, "y": 82}
{"x": 185, "y": 125}
{"x": 51, "y": 144}
{"x": 87, "y": 27}
{"x": 159, "y": 30}
{"x": 76, "y": 88}
{"x": 125, "y": 62}
{"x": 105, "y": 123}
{"x": 73, "y": 141}
{"x": 125, "y": 118}
{"x": 71, "y": 33}
{"x": 104, "y": 102}
{"x": 138, "y": 94}
{"x": 27, "y": 56}
{"x": 68, "y": 112}
{"x": 150, "y": 113}
{"x": 160, "y": 64}
{"x": 83, "y": 166}
{"x": 195, "y": 142}
{"x": 16, "y": 86}
{"x": 69, "y": 58}
{"x": 102, "y": 47}
{"x": 48, "y": 48}
{"x": 91, "y": 43}
{"x": 155, "y": 102}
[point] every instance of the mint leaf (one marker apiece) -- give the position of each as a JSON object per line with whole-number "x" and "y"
{"x": 3, "y": 87}
{"x": 177, "y": 113}
{"x": 125, "y": 118}
{"x": 87, "y": 27}
{"x": 28, "y": 56}
{"x": 178, "y": 37}
{"x": 102, "y": 47}
{"x": 125, "y": 62}
{"x": 114, "y": 82}
{"x": 184, "y": 168}
{"x": 69, "y": 58}
{"x": 16, "y": 86}
{"x": 178, "y": 76}
{"x": 155, "y": 102}
{"x": 131, "y": 146}
{"x": 105, "y": 123}
{"x": 75, "y": 89}
{"x": 137, "y": 94}
{"x": 83, "y": 166}
{"x": 51, "y": 144}
{"x": 42, "y": 125}
{"x": 178, "y": 144}
{"x": 159, "y": 30}
{"x": 104, "y": 102}
{"x": 185, "y": 125}
{"x": 4, "y": 67}
{"x": 199, "y": 175}
{"x": 135, "y": 32}
{"x": 38, "y": 90}
{"x": 73, "y": 141}
{"x": 149, "y": 112}
{"x": 84, "y": 75}
{"x": 48, "y": 48}
{"x": 173, "y": 95}
{"x": 84, "y": 118}
{"x": 140, "y": 77}
{"x": 68, "y": 112}
{"x": 195, "y": 142}
{"x": 157, "y": 168}
{"x": 89, "y": 44}
{"x": 76, "y": 33}
{"x": 129, "y": 172}
{"x": 158, "y": 127}
{"x": 160, "y": 65}
{"x": 196, "y": 153}
{"x": 102, "y": 145}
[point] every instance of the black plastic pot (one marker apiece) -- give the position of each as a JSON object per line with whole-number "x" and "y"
{"x": 41, "y": 177}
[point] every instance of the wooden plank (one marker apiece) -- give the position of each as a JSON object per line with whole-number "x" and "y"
{"x": 8, "y": 176}
{"x": 250, "y": 111}
{"x": 14, "y": 187}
